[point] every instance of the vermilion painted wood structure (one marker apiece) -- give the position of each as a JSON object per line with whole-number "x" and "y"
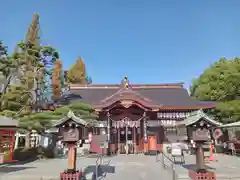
{"x": 8, "y": 127}
{"x": 127, "y": 112}
{"x": 71, "y": 128}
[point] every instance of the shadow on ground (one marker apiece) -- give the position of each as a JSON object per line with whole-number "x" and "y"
{"x": 194, "y": 167}
{"x": 10, "y": 169}
{"x": 22, "y": 162}
{"x": 102, "y": 171}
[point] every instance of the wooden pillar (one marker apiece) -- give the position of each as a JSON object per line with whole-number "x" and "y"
{"x": 140, "y": 139}
{"x": 12, "y": 139}
{"x": 126, "y": 136}
{"x": 145, "y": 140}
{"x": 72, "y": 157}
{"x": 134, "y": 139}
{"x": 16, "y": 140}
{"x": 119, "y": 145}
{"x": 108, "y": 133}
{"x": 83, "y": 129}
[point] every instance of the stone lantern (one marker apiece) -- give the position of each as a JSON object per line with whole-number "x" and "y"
{"x": 71, "y": 128}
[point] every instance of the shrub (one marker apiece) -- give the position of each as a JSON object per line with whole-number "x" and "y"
{"x": 23, "y": 154}
{"x": 47, "y": 152}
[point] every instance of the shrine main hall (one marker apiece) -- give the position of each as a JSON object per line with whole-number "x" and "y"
{"x": 140, "y": 115}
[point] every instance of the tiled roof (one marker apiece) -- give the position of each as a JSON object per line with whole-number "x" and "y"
{"x": 71, "y": 116}
{"x": 196, "y": 116}
{"x": 229, "y": 125}
{"x": 164, "y": 95}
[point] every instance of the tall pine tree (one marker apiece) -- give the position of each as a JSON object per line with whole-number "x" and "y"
{"x": 39, "y": 61}
{"x": 33, "y": 68}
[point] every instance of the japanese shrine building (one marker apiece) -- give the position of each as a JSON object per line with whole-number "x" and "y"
{"x": 143, "y": 115}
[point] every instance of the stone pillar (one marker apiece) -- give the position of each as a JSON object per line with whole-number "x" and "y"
{"x": 200, "y": 158}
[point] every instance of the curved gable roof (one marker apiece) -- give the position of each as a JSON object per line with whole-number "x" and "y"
{"x": 166, "y": 96}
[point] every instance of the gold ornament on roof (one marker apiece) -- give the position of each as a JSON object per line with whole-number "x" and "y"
{"x": 126, "y": 83}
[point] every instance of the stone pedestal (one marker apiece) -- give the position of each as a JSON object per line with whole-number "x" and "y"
{"x": 200, "y": 157}
{"x": 207, "y": 175}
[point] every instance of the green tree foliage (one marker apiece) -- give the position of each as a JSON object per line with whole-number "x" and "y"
{"x": 40, "y": 121}
{"x": 228, "y": 111}
{"x": 77, "y": 73}
{"x": 56, "y": 80}
{"x": 220, "y": 82}
{"x": 3, "y": 58}
{"x": 25, "y": 70}
{"x": 29, "y": 68}
{"x": 3, "y": 50}
{"x": 38, "y": 63}
{"x": 12, "y": 94}
{"x": 49, "y": 57}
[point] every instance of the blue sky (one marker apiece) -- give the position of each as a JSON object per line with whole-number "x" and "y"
{"x": 150, "y": 41}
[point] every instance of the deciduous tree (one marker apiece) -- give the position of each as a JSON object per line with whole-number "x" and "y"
{"x": 77, "y": 73}
{"x": 56, "y": 80}
{"x": 220, "y": 82}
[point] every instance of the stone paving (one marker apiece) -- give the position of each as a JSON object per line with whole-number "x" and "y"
{"x": 226, "y": 167}
{"x": 128, "y": 167}
{"x": 132, "y": 167}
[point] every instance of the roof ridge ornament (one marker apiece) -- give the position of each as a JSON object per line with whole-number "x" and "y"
{"x": 126, "y": 82}
{"x": 198, "y": 112}
{"x": 70, "y": 114}
{"x": 124, "y": 86}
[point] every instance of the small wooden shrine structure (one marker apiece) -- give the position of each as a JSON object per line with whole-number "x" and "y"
{"x": 71, "y": 118}
{"x": 71, "y": 128}
{"x": 186, "y": 127}
{"x": 8, "y": 128}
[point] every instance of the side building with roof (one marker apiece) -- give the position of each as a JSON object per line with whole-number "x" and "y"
{"x": 141, "y": 115}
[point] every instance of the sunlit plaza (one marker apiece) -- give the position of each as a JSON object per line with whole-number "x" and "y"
{"x": 119, "y": 167}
